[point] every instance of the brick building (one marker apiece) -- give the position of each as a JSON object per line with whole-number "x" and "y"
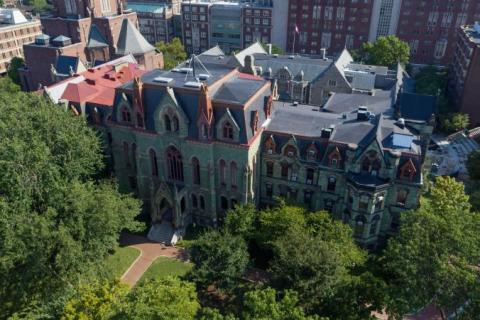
{"x": 465, "y": 82}
{"x": 429, "y": 26}
{"x": 15, "y": 31}
{"x": 92, "y": 32}
{"x": 231, "y": 25}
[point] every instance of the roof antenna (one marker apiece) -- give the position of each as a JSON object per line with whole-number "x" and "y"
{"x": 194, "y": 59}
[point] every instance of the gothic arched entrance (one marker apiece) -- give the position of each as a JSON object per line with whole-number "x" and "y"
{"x": 164, "y": 209}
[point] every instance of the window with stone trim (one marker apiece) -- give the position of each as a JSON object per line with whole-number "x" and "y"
{"x": 194, "y": 201}
{"x": 374, "y": 225}
{"x": 126, "y": 117}
{"x": 402, "y": 195}
{"x": 290, "y": 151}
{"x": 363, "y": 202}
{"x": 360, "y": 222}
{"x": 331, "y": 183}
{"x": 222, "y": 172}
{"x": 270, "y": 167}
{"x": 174, "y": 164}
{"x": 195, "y": 170}
{"x": 310, "y": 175}
{"x": 153, "y": 163}
{"x": 233, "y": 174}
{"x": 227, "y": 130}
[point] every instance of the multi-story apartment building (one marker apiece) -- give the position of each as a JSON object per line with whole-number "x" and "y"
{"x": 195, "y": 141}
{"x": 92, "y": 32}
{"x": 429, "y": 26}
{"x": 15, "y": 31}
{"x": 231, "y": 25}
{"x": 465, "y": 82}
{"x": 328, "y": 24}
{"x": 156, "y": 20}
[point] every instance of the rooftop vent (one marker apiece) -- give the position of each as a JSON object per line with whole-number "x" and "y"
{"x": 401, "y": 122}
{"x": 162, "y": 80}
{"x": 295, "y": 103}
{"x": 326, "y": 133}
{"x": 203, "y": 76}
{"x": 183, "y": 70}
{"x": 363, "y": 114}
{"x": 42, "y": 40}
{"x": 193, "y": 84}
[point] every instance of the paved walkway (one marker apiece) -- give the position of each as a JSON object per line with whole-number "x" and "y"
{"x": 149, "y": 251}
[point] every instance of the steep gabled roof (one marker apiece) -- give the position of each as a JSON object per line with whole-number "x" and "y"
{"x": 96, "y": 39}
{"x": 131, "y": 41}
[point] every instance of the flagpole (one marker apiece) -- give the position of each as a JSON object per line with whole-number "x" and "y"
{"x": 294, "y": 34}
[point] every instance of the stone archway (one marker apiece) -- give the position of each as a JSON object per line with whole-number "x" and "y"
{"x": 164, "y": 208}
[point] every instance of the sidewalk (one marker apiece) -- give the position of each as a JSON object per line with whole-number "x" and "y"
{"x": 149, "y": 251}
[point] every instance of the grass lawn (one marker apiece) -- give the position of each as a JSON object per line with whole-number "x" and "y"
{"x": 163, "y": 267}
{"x": 119, "y": 262}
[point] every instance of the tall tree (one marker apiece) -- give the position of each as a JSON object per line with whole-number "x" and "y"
{"x": 173, "y": 53}
{"x": 241, "y": 221}
{"x": 434, "y": 257}
{"x": 12, "y": 71}
{"x": 473, "y": 165}
{"x": 56, "y": 223}
{"x": 219, "y": 258}
{"x": 386, "y": 51}
{"x": 166, "y": 299}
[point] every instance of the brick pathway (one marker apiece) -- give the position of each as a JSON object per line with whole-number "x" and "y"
{"x": 149, "y": 251}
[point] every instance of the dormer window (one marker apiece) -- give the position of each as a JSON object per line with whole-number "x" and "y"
{"x": 334, "y": 162}
{"x": 270, "y": 145}
{"x": 290, "y": 151}
{"x": 371, "y": 163}
{"x": 312, "y": 152}
{"x": 125, "y": 115}
{"x": 227, "y": 131}
{"x": 408, "y": 170}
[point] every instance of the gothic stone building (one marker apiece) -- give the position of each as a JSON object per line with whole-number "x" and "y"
{"x": 192, "y": 144}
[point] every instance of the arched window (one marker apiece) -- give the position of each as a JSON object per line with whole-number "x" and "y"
{"x": 153, "y": 162}
{"x": 194, "y": 201}
{"x": 134, "y": 157}
{"x": 332, "y": 183}
{"x": 223, "y": 203}
{"x": 125, "y": 115}
{"x": 175, "y": 164}
{"x": 195, "y": 171}
{"x": 270, "y": 146}
{"x": 227, "y": 130}
{"x": 204, "y": 131}
{"x": 168, "y": 123}
{"x": 202, "y": 203}
{"x": 223, "y": 172}
{"x": 175, "y": 124}
{"x": 360, "y": 222}
{"x": 126, "y": 154}
{"x": 233, "y": 174}
{"x": 183, "y": 205}
{"x": 270, "y": 167}
{"x": 371, "y": 163}
{"x": 374, "y": 225}
{"x": 140, "y": 120}
{"x": 290, "y": 151}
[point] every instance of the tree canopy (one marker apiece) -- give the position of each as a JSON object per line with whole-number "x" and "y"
{"x": 173, "y": 53}
{"x": 386, "y": 51}
{"x": 56, "y": 222}
{"x": 12, "y": 71}
{"x": 435, "y": 255}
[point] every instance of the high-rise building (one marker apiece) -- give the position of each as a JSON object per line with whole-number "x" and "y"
{"x": 230, "y": 25}
{"x": 465, "y": 82}
{"x": 15, "y": 31}
{"x": 429, "y": 26}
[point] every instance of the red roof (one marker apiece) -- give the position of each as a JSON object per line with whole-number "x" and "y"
{"x": 100, "y": 83}
{"x": 249, "y": 77}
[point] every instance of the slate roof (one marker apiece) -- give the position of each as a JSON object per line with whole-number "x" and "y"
{"x": 238, "y": 89}
{"x": 311, "y": 67}
{"x": 417, "y": 107}
{"x": 95, "y": 38}
{"x": 131, "y": 41}
{"x": 347, "y": 103}
{"x": 64, "y": 64}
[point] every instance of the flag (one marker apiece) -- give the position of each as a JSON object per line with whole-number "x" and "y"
{"x": 296, "y": 29}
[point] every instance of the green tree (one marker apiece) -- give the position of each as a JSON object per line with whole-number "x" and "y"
{"x": 219, "y": 258}
{"x": 267, "y": 304}
{"x": 433, "y": 259}
{"x": 241, "y": 221}
{"x": 430, "y": 80}
{"x": 95, "y": 301}
{"x": 56, "y": 224}
{"x": 213, "y": 314}
{"x": 313, "y": 266}
{"x": 386, "y": 51}
{"x": 453, "y": 122}
{"x": 473, "y": 165}
{"x": 8, "y": 87}
{"x": 275, "y": 49}
{"x": 165, "y": 299}
{"x": 13, "y": 67}
{"x": 173, "y": 53}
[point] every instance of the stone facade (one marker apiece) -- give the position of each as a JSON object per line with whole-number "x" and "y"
{"x": 193, "y": 145}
